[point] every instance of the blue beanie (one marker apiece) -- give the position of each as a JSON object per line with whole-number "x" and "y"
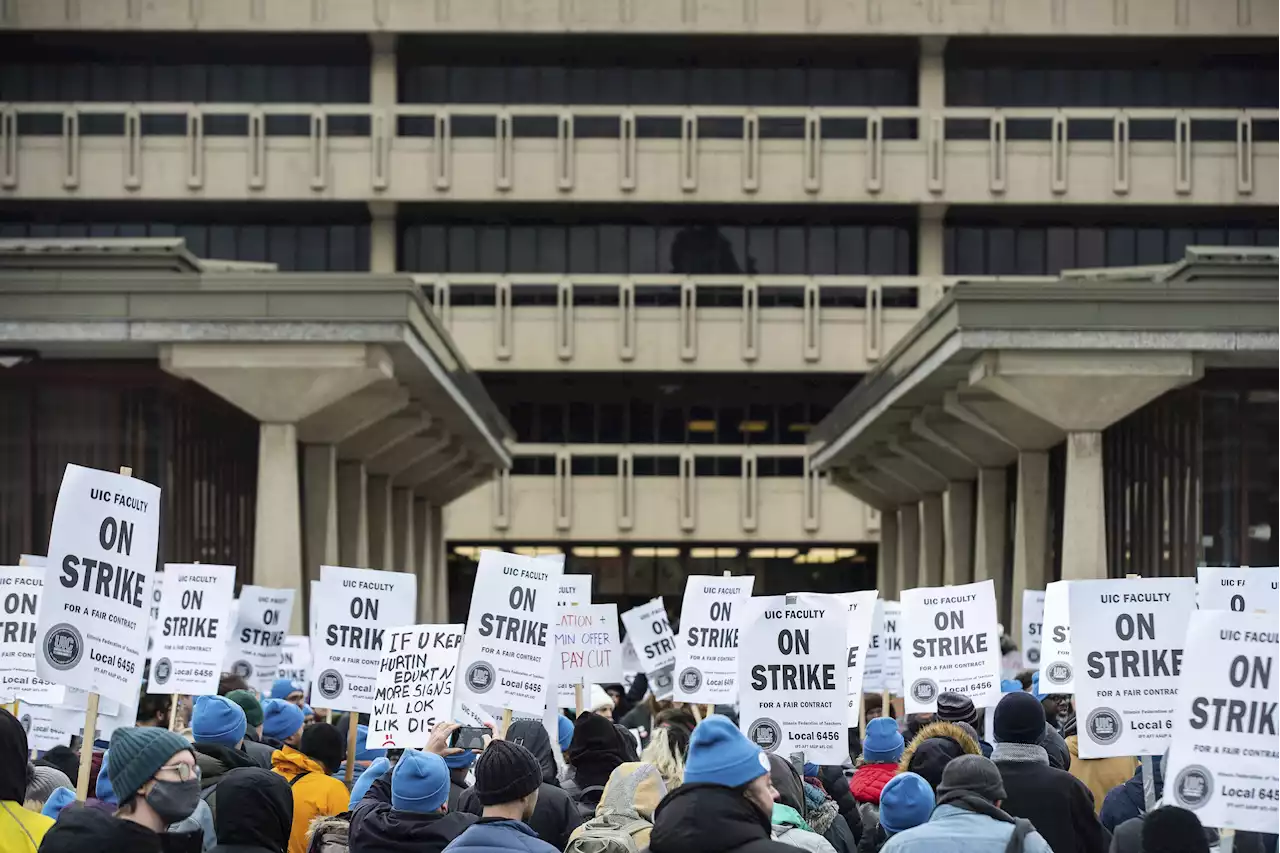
{"x": 461, "y": 760}
{"x": 58, "y": 800}
{"x": 564, "y": 731}
{"x": 306, "y": 710}
{"x": 905, "y": 801}
{"x": 103, "y": 789}
{"x": 280, "y": 719}
{"x": 884, "y": 742}
{"x": 138, "y": 753}
{"x": 218, "y": 720}
{"x": 363, "y": 753}
{"x": 1035, "y": 686}
{"x": 1013, "y": 685}
{"x": 281, "y": 688}
{"x": 420, "y": 782}
{"x": 722, "y": 755}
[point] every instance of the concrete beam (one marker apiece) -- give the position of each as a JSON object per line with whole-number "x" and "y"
{"x": 430, "y": 467}
{"x": 977, "y": 446}
{"x": 947, "y": 463}
{"x": 379, "y": 438}
{"x": 478, "y": 475}
{"x": 1015, "y": 426}
{"x": 862, "y": 490}
{"x": 897, "y": 491}
{"x": 909, "y": 471}
{"x": 341, "y": 420}
{"x": 463, "y": 467}
{"x": 406, "y": 453}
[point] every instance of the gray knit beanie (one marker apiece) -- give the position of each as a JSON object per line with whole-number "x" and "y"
{"x": 44, "y": 781}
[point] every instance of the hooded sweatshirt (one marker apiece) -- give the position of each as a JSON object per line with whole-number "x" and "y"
{"x": 20, "y": 830}
{"x": 314, "y": 793}
{"x": 377, "y": 827}
{"x": 933, "y": 748}
{"x": 632, "y": 793}
{"x": 597, "y": 748}
{"x": 87, "y": 830}
{"x": 216, "y": 760}
{"x": 255, "y": 812}
{"x": 711, "y": 819}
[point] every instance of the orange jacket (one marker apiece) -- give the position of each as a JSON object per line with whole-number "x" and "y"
{"x": 315, "y": 793}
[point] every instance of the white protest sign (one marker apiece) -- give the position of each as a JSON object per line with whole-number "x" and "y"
{"x": 507, "y": 656}
{"x": 191, "y": 642}
{"x": 1244, "y": 590}
{"x": 1224, "y": 762}
{"x": 295, "y": 660}
{"x": 587, "y": 645}
{"x": 1127, "y": 639}
{"x": 20, "y": 588}
{"x": 157, "y": 592}
{"x": 861, "y": 616}
{"x": 571, "y": 591}
{"x": 1032, "y": 626}
{"x": 630, "y": 664}
{"x": 1057, "y": 673}
{"x": 707, "y": 649}
{"x": 315, "y": 609}
{"x": 884, "y": 663}
{"x": 44, "y": 726}
{"x": 262, "y": 616}
{"x": 95, "y": 608}
{"x": 951, "y": 643}
{"x": 793, "y": 680}
{"x": 649, "y": 632}
{"x": 414, "y": 685}
{"x": 357, "y": 609}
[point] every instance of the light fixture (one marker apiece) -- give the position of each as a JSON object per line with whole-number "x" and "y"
{"x": 726, "y": 553}
{"x": 762, "y": 553}
{"x": 468, "y": 551}
{"x": 702, "y": 426}
{"x": 702, "y": 553}
{"x": 525, "y": 550}
{"x": 787, "y": 553}
{"x": 846, "y": 553}
{"x": 548, "y": 550}
{"x": 753, "y": 426}
{"x": 596, "y": 551}
{"x": 648, "y": 551}
{"x": 799, "y": 427}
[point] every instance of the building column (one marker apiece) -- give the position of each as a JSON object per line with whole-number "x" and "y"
{"x": 958, "y": 533}
{"x": 991, "y": 531}
{"x": 1084, "y": 552}
{"x": 887, "y": 570}
{"x": 353, "y": 515}
{"x": 1030, "y": 531}
{"x": 320, "y": 513}
{"x": 422, "y": 556}
{"x": 383, "y": 88}
{"x": 402, "y": 545}
{"x": 380, "y": 548}
{"x": 908, "y": 546}
{"x": 277, "y": 540}
{"x": 438, "y": 565}
{"x": 931, "y": 540}
{"x": 932, "y": 72}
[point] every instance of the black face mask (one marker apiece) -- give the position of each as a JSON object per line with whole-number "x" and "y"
{"x": 174, "y": 801}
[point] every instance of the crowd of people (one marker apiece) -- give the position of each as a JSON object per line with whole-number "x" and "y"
{"x": 254, "y": 774}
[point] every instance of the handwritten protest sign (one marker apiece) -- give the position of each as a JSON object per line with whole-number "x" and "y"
{"x": 861, "y": 615}
{"x": 357, "y": 608}
{"x": 587, "y": 643}
{"x": 884, "y": 663}
{"x": 571, "y": 591}
{"x": 20, "y": 588}
{"x": 95, "y": 605}
{"x": 793, "y": 677}
{"x": 951, "y": 644}
{"x": 295, "y": 660}
{"x": 191, "y": 641}
{"x": 707, "y": 651}
{"x": 1032, "y": 626}
{"x": 1057, "y": 673}
{"x": 649, "y": 632}
{"x": 414, "y": 685}
{"x": 262, "y": 617}
{"x": 1244, "y": 589}
{"x": 1127, "y": 639}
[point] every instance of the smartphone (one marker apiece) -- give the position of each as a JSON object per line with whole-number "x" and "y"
{"x": 469, "y": 737}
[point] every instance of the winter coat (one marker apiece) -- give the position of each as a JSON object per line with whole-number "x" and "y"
{"x": 1057, "y": 803}
{"x": 498, "y": 835}
{"x": 21, "y": 829}
{"x": 869, "y": 780}
{"x": 314, "y": 793}
{"x": 1126, "y": 800}
{"x": 199, "y": 823}
{"x": 711, "y": 819}
{"x": 215, "y": 761}
{"x": 377, "y": 827}
{"x": 1099, "y": 775}
{"x": 329, "y": 834}
{"x": 958, "y": 830}
{"x": 80, "y": 829}
{"x": 633, "y": 791}
{"x": 258, "y": 752}
{"x": 255, "y": 812}
{"x": 790, "y": 829}
{"x": 833, "y": 780}
{"x": 933, "y": 748}
{"x": 1056, "y": 748}
{"x": 457, "y": 784}
{"x": 873, "y": 839}
{"x": 819, "y": 811}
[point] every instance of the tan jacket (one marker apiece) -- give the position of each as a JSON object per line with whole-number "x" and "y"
{"x": 1100, "y": 775}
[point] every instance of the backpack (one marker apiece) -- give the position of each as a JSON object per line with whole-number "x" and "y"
{"x": 610, "y": 833}
{"x": 587, "y": 810}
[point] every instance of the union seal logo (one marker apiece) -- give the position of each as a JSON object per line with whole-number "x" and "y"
{"x": 242, "y": 668}
{"x": 1193, "y": 786}
{"x": 1033, "y": 656}
{"x": 690, "y": 679}
{"x": 329, "y": 683}
{"x": 63, "y": 646}
{"x": 1058, "y": 672}
{"x": 161, "y": 671}
{"x": 1104, "y": 726}
{"x": 480, "y": 677}
{"x": 765, "y": 733}
{"x": 924, "y": 690}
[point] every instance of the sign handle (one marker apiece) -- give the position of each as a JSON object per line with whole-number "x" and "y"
{"x": 353, "y": 720}
{"x": 577, "y": 700}
{"x": 173, "y": 709}
{"x": 862, "y": 716}
{"x": 1226, "y": 840}
{"x": 1148, "y": 782}
{"x": 506, "y": 721}
{"x": 697, "y": 712}
{"x": 884, "y": 703}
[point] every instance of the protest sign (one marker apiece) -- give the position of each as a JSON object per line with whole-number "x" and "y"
{"x": 1032, "y": 626}
{"x": 884, "y": 663}
{"x": 1244, "y": 589}
{"x": 157, "y": 592}
{"x": 1057, "y": 673}
{"x": 1127, "y": 639}
{"x": 357, "y": 608}
{"x": 191, "y": 640}
{"x": 952, "y": 644}
{"x": 587, "y": 645}
{"x": 861, "y": 614}
{"x": 295, "y": 660}
{"x": 414, "y": 685}
{"x": 707, "y": 650}
{"x": 95, "y": 608}
{"x": 793, "y": 676}
{"x": 1224, "y": 764}
{"x": 507, "y": 656}
{"x": 262, "y": 616}
{"x": 20, "y": 589}
{"x": 649, "y": 632}
{"x": 571, "y": 591}
{"x": 45, "y": 727}
{"x": 630, "y": 664}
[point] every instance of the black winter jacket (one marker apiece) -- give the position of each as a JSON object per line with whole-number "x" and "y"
{"x": 255, "y": 812}
{"x": 377, "y": 827}
{"x": 711, "y": 819}
{"x": 1057, "y": 803}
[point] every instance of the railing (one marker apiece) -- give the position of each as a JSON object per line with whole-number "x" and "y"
{"x": 868, "y": 153}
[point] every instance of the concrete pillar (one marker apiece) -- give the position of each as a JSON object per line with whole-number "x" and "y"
{"x": 908, "y": 546}
{"x": 958, "y": 527}
{"x": 320, "y": 512}
{"x": 422, "y": 556}
{"x": 277, "y": 540}
{"x": 1031, "y": 531}
{"x": 382, "y": 236}
{"x": 438, "y": 565}
{"x": 382, "y": 69}
{"x": 380, "y": 550}
{"x": 887, "y": 570}
{"x": 991, "y": 535}
{"x": 402, "y": 545}
{"x": 931, "y": 540}
{"x": 932, "y": 73}
{"x": 1084, "y": 551}
{"x": 353, "y": 515}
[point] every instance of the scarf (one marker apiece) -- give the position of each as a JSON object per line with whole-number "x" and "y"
{"x": 971, "y": 802}
{"x": 820, "y": 810}
{"x": 1028, "y": 753}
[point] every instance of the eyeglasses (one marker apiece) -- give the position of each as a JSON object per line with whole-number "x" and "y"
{"x": 184, "y": 771}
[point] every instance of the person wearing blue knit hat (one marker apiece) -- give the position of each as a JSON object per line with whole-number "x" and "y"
{"x": 726, "y": 800}
{"x": 1012, "y": 685}
{"x": 288, "y": 690}
{"x": 564, "y": 732}
{"x": 459, "y": 765}
{"x": 281, "y": 723}
{"x": 881, "y": 752}
{"x": 217, "y": 727}
{"x": 905, "y": 802}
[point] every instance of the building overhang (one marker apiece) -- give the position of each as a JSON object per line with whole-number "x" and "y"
{"x": 1001, "y": 366}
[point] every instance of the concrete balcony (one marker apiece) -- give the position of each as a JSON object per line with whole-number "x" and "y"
{"x": 653, "y": 155}
{"x": 663, "y": 508}
{"x": 851, "y": 17}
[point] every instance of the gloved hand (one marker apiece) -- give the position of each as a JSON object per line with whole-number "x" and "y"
{"x": 375, "y": 770}
{"x": 58, "y": 800}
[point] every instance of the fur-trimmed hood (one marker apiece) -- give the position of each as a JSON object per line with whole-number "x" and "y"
{"x": 935, "y": 746}
{"x": 331, "y": 829}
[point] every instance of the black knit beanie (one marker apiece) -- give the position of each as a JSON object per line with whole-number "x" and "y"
{"x": 1170, "y": 829}
{"x": 506, "y": 772}
{"x": 325, "y": 744}
{"x": 956, "y": 708}
{"x": 1019, "y": 719}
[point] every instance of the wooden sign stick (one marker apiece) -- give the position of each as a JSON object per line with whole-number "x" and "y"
{"x": 353, "y": 720}
{"x": 577, "y": 700}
